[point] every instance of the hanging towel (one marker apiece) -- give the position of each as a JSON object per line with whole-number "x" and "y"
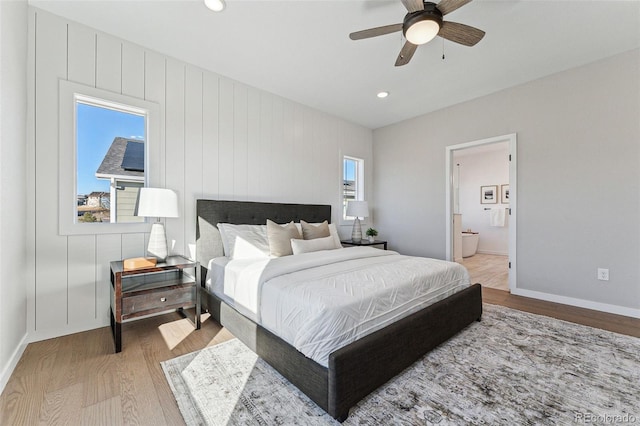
{"x": 496, "y": 217}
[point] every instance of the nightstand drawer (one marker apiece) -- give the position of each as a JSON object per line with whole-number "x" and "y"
{"x": 158, "y": 300}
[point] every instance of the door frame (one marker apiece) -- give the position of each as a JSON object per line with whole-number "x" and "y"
{"x": 513, "y": 197}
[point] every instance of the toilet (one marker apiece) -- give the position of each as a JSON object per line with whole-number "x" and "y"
{"x": 469, "y": 243}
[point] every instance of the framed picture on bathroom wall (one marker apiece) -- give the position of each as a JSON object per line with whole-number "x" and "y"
{"x": 504, "y": 194}
{"x": 489, "y": 194}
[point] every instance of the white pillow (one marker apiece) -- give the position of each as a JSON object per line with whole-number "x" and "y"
{"x": 317, "y": 244}
{"x": 333, "y": 231}
{"x": 244, "y": 241}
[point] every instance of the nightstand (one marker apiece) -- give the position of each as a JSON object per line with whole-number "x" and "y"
{"x": 364, "y": 242}
{"x": 139, "y": 292}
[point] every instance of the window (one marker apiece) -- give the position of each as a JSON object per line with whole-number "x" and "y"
{"x": 352, "y": 182}
{"x": 110, "y": 166}
{"x": 106, "y": 154}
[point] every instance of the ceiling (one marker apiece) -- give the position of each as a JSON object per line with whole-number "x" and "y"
{"x": 300, "y": 49}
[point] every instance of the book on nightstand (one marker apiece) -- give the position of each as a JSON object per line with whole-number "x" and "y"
{"x": 139, "y": 263}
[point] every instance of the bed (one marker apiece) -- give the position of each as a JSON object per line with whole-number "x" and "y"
{"x": 348, "y": 374}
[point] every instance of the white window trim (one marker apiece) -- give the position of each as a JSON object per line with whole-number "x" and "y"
{"x": 70, "y": 93}
{"x": 360, "y": 192}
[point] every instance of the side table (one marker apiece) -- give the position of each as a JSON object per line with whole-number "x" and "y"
{"x": 364, "y": 242}
{"x": 139, "y": 292}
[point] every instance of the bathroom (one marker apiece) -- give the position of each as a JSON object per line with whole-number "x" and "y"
{"x": 481, "y": 211}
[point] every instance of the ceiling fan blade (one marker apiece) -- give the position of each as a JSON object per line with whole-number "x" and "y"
{"x": 374, "y": 32}
{"x": 406, "y": 54}
{"x": 460, "y": 33}
{"x": 413, "y": 5}
{"x": 448, "y": 6}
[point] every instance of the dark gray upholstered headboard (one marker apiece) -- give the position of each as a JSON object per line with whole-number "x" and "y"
{"x": 212, "y": 212}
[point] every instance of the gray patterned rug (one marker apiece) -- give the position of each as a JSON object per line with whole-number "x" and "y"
{"x": 511, "y": 368}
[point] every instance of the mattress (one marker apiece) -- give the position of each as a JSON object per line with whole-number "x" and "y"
{"x": 319, "y": 302}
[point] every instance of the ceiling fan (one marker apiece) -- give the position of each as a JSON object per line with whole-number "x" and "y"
{"x": 422, "y": 23}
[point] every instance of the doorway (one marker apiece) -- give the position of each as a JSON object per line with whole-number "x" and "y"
{"x": 490, "y": 201}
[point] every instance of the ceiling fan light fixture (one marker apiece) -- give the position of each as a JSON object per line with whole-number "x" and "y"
{"x": 215, "y": 5}
{"x": 423, "y": 22}
{"x": 422, "y": 31}
{"x": 422, "y": 27}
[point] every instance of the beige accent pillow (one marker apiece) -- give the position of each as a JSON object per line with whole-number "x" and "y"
{"x": 316, "y": 244}
{"x": 280, "y": 236}
{"x": 311, "y": 232}
{"x": 333, "y": 230}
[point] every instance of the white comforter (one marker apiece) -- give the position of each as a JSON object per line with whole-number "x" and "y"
{"x": 319, "y": 302}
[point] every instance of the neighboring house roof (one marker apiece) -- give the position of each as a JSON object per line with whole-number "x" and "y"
{"x": 124, "y": 160}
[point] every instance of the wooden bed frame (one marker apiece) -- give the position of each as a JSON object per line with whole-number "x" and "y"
{"x": 355, "y": 370}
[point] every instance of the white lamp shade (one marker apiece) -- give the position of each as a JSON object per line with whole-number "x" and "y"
{"x": 157, "y": 202}
{"x": 357, "y": 208}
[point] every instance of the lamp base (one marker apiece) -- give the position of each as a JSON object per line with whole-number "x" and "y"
{"x": 356, "y": 233}
{"x": 158, "y": 242}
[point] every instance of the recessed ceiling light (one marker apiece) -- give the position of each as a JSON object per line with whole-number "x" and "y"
{"x": 215, "y": 5}
{"x": 382, "y": 95}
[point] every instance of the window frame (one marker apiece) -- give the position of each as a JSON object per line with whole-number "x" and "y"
{"x": 70, "y": 94}
{"x": 360, "y": 182}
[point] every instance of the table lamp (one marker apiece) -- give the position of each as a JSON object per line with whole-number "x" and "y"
{"x": 357, "y": 209}
{"x": 158, "y": 203}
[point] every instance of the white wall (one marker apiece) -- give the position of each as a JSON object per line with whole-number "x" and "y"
{"x": 14, "y": 276}
{"x": 578, "y": 180}
{"x": 220, "y": 139}
{"x": 480, "y": 169}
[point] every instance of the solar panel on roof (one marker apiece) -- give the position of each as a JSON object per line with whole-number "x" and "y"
{"x": 133, "y": 158}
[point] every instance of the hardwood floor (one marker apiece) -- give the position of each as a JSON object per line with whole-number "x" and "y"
{"x": 78, "y": 380}
{"x": 489, "y": 270}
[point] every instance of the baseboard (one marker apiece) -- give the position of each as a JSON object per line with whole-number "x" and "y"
{"x": 495, "y": 253}
{"x": 580, "y": 303}
{"x": 13, "y": 361}
{"x": 39, "y": 335}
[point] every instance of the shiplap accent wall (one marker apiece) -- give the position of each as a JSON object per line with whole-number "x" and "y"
{"x": 219, "y": 139}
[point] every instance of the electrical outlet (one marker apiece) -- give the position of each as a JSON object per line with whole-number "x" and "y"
{"x": 603, "y": 274}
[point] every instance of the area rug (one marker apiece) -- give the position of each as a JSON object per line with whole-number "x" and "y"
{"x": 511, "y": 368}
